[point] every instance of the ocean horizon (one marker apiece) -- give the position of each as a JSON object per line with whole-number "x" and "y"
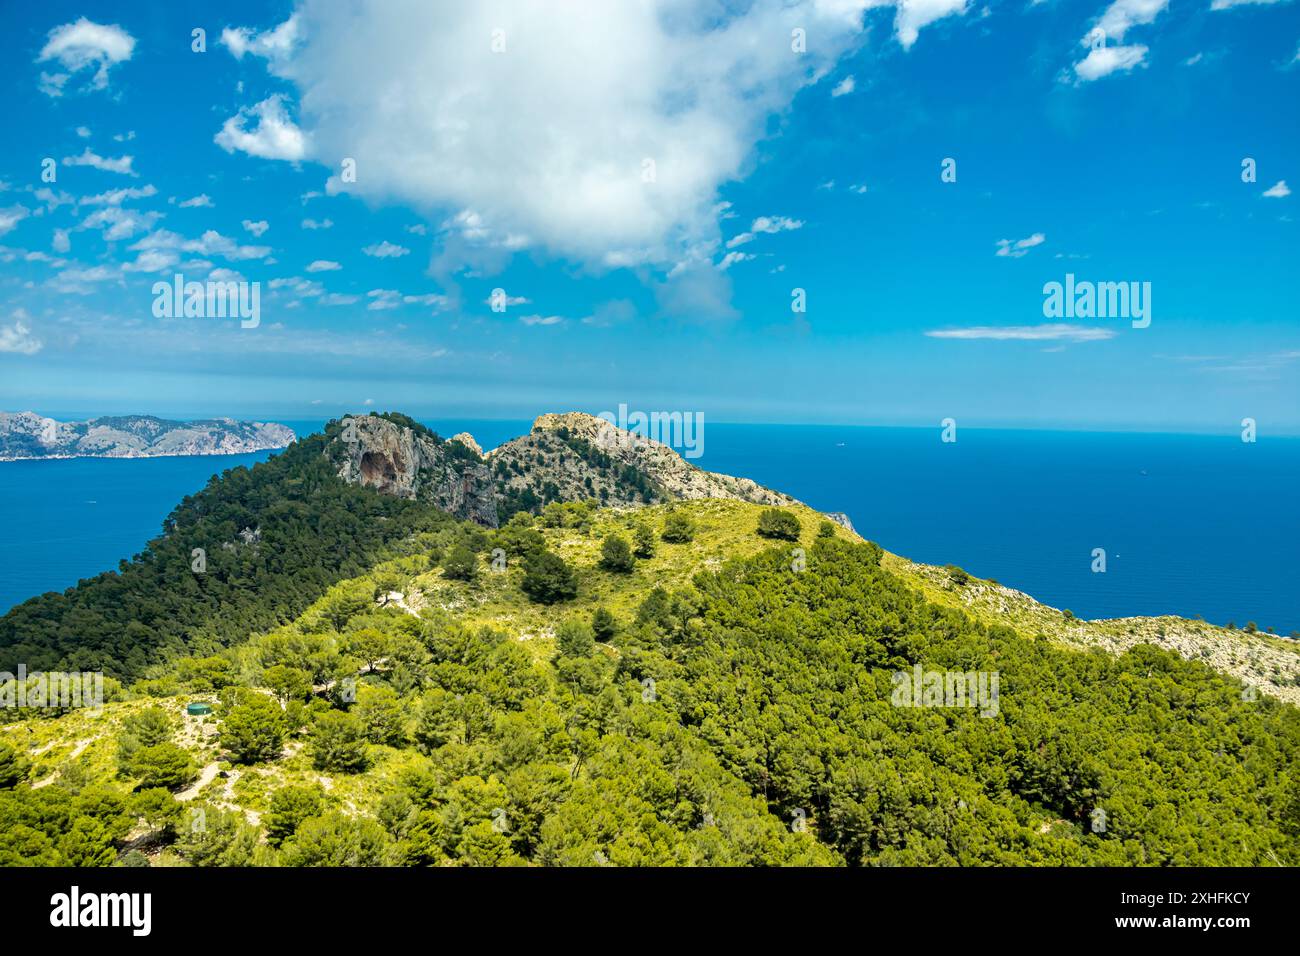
{"x": 1176, "y": 513}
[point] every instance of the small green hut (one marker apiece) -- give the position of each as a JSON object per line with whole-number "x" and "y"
{"x": 198, "y": 709}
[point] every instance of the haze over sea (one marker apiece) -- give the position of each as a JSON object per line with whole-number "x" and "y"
{"x": 1193, "y": 525}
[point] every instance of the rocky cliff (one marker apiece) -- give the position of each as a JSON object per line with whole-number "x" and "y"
{"x": 28, "y": 435}
{"x": 569, "y": 457}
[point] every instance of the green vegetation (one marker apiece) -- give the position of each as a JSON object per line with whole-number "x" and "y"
{"x": 616, "y": 554}
{"x": 779, "y": 523}
{"x": 729, "y": 698}
{"x": 312, "y": 530}
{"x": 678, "y": 528}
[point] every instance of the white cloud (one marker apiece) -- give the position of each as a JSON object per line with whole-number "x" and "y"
{"x": 1123, "y": 14}
{"x": 115, "y": 197}
{"x": 274, "y": 137}
{"x": 119, "y": 223}
{"x": 912, "y": 15}
{"x": 1278, "y": 191}
{"x": 211, "y": 243}
{"x": 541, "y": 319}
{"x": 1115, "y": 21}
{"x": 1015, "y": 248}
{"x": 83, "y": 132}
{"x": 1229, "y": 4}
{"x": 765, "y": 224}
{"x": 731, "y": 258}
{"x": 18, "y": 336}
{"x": 1104, "y": 61}
{"x": 317, "y": 223}
{"x": 11, "y": 217}
{"x": 81, "y": 45}
{"x": 843, "y": 87}
{"x": 271, "y": 44}
{"x": 324, "y": 265}
{"x": 384, "y": 299}
{"x": 89, "y": 158}
{"x": 255, "y": 227}
{"x": 509, "y": 300}
{"x": 152, "y": 260}
{"x": 385, "y": 250}
{"x": 1029, "y": 333}
{"x": 416, "y": 96}
{"x": 60, "y": 242}
{"x": 199, "y": 201}
{"x": 859, "y": 188}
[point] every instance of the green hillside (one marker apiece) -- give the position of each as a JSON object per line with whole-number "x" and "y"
{"x": 732, "y": 703}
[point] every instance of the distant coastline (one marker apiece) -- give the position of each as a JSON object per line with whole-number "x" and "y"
{"x": 27, "y": 436}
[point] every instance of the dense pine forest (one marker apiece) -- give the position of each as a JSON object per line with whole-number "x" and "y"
{"x": 708, "y": 683}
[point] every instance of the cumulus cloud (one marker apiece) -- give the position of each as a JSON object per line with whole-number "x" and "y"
{"x": 1115, "y": 21}
{"x": 1015, "y": 248}
{"x": 83, "y": 45}
{"x": 765, "y": 224}
{"x": 255, "y": 227}
{"x": 317, "y": 223}
{"x": 17, "y": 337}
{"x": 90, "y": 158}
{"x": 11, "y": 217}
{"x": 271, "y": 45}
{"x": 211, "y": 243}
{"x": 273, "y": 137}
{"x": 844, "y": 87}
{"x": 1106, "y": 60}
{"x": 115, "y": 197}
{"x": 603, "y": 132}
{"x": 912, "y": 15}
{"x": 385, "y": 250}
{"x": 200, "y": 201}
{"x": 324, "y": 265}
{"x": 1029, "y": 333}
{"x": 1278, "y": 191}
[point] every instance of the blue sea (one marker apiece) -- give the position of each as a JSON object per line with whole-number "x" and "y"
{"x": 1191, "y": 525}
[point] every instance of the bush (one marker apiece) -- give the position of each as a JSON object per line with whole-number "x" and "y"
{"x": 616, "y": 554}
{"x": 959, "y": 577}
{"x": 290, "y": 806}
{"x": 460, "y": 564}
{"x": 338, "y": 743}
{"x": 163, "y": 766}
{"x": 574, "y": 639}
{"x": 643, "y": 540}
{"x": 603, "y": 625}
{"x": 548, "y": 579}
{"x": 254, "y": 729}
{"x": 678, "y": 528}
{"x": 826, "y": 529}
{"x": 779, "y": 523}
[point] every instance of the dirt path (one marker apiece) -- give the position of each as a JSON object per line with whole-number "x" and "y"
{"x": 205, "y": 778}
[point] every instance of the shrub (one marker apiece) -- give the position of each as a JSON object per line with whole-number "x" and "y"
{"x": 460, "y": 564}
{"x": 616, "y": 554}
{"x": 548, "y": 579}
{"x": 779, "y": 523}
{"x": 678, "y": 528}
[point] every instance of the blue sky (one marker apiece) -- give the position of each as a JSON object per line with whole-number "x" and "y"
{"x": 505, "y": 146}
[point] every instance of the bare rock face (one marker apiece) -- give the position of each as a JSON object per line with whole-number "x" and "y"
{"x": 669, "y": 476}
{"x": 397, "y": 460}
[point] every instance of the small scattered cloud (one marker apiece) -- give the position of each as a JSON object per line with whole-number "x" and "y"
{"x": 1278, "y": 191}
{"x": 385, "y": 250}
{"x": 324, "y": 265}
{"x": 844, "y": 87}
{"x": 1106, "y": 60}
{"x": 89, "y": 157}
{"x": 1027, "y": 333}
{"x": 1015, "y": 248}
{"x": 317, "y": 224}
{"x": 541, "y": 319}
{"x": 11, "y": 217}
{"x": 274, "y": 45}
{"x": 256, "y": 228}
{"x": 201, "y": 201}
